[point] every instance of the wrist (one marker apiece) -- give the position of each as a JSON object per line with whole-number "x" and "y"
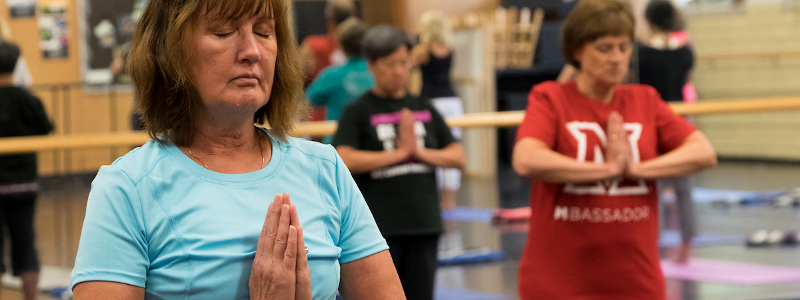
{"x": 634, "y": 171}
{"x": 400, "y": 154}
{"x": 613, "y": 169}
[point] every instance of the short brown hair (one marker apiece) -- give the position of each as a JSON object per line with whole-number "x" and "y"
{"x": 166, "y": 94}
{"x": 593, "y": 19}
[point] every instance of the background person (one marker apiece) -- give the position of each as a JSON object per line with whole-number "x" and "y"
{"x": 190, "y": 214}
{"x": 590, "y": 147}
{"x": 21, "y": 114}
{"x": 434, "y": 55}
{"x": 337, "y": 86}
{"x": 392, "y": 141}
{"x": 665, "y": 63}
{"x": 322, "y": 50}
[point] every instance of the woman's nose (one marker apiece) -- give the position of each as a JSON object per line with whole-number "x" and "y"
{"x": 248, "y": 48}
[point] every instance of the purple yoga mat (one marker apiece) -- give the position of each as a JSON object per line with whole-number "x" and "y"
{"x": 729, "y": 272}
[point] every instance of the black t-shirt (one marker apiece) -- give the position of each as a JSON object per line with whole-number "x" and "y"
{"x": 665, "y": 70}
{"x": 402, "y": 197}
{"x": 21, "y": 114}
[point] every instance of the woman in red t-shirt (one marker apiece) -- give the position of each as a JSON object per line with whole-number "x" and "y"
{"x": 590, "y": 147}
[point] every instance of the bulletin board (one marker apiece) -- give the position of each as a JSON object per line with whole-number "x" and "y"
{"x": 108, "y": 28}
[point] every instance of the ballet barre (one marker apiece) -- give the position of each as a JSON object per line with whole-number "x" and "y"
{"x": 473, "y": 120}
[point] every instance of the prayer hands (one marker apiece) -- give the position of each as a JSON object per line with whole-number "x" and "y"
{"x": 280, "y": 268}
{"x": 407, "y": 138}
{"x": 618, "y": 148}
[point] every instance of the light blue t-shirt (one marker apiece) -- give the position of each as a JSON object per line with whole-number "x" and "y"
{"x": 339, "y": 85}
{"x": 158, "y": 220}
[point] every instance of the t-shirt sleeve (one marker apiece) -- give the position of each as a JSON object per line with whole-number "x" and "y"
{"x": 540, "y": 119}
{"x": 35, "y": 117}
{"x": 319, "y": 91}
{"x": 359, "y": 236}
{"x": 113, "y": 245}
{"x": 443, "y": 132}
{"x": 672, "y": 128}
{"x": 349, "y": 127}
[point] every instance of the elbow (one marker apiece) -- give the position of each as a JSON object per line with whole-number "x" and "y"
{"x": 520, "y": 168}
{"x": 711, "y": 160}
{"x": 462, "y": 162}
{"x": 710, "y": 157}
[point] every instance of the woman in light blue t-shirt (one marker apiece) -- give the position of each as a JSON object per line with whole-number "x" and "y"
{"x": 203, "y": 210}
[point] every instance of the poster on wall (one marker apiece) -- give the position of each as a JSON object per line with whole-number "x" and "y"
{"x": 106, "y": 38}
{"x": 53, "y": 33}
{"x": 22, "y": 8}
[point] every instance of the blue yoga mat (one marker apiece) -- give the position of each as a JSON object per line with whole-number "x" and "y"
{"x": 472, "y": 257}
{"x": 703, "y": 195}
{"x": 468, "y": 214}
{"x": 672, "y": 238}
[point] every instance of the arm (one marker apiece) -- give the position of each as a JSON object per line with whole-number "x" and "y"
{"x": 532, "y": 158}
{"x": 35, "y": 117}
{"x": 451, "y": 156}
{"x": 90, "y": 290}
{"x": 363, "y": 161}
{"x": 420, "y": 54}
{"x": 372, "y": 277}
{"x": 695, "y": 154}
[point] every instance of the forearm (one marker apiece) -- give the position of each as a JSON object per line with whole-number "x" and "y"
{"x": 451, "y": 156}
{"x": 363, "y": 161}
{"x": 531, "y": 158}
{"x": 694, "y": 155}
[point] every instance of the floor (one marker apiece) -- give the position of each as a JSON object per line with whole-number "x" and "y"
{"x": 60, "y": 214}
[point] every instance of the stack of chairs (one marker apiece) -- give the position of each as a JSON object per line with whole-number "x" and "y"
{"x": 516, "y": 33}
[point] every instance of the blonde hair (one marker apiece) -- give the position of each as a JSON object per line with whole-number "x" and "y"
{"x": 435, "y": 27}
{"x": 158, "y": 63}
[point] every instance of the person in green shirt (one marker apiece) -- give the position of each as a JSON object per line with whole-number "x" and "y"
{"x": 338, "y": 85}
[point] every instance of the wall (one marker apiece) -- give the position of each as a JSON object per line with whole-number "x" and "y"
{"x": 85, "y": 112}
{"x": 757, "y": 28}
{"x": 415, "y": 8}
{"x": 45, "y": 71}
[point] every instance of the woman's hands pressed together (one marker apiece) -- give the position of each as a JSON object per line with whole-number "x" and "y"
{"x": 280, "y": 268}
{"x": 618, "y": 148}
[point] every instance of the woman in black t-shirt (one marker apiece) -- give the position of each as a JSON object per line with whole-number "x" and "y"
{"x": 665, "y": 62}
{"x": 391, "y": 141}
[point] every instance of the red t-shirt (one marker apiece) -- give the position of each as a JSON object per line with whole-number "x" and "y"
{"x": 322, "y": 47}
{"x": 595, "y": 240}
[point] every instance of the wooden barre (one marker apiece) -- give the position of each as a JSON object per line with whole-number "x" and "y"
{"x": 474, "y": 120}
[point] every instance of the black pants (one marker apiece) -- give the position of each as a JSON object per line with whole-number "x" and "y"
{"x": 16, "y": 214}
{"x": 415, "y": 260}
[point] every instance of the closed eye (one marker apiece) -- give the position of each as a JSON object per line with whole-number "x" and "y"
{"x": 222, "y": 35}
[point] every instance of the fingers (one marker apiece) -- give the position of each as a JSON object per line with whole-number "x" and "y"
{"x": 290, "y": 253}
{"x": 286, "y": 199}
{"x": 266, "y": 241}
{"x": 294, "y": 218}
{"x": 281, "y": 240}
{"x": 614, "y": 126}
{"x": 303, "y": 289}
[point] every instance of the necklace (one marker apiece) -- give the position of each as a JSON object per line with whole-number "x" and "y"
{"x": 260, "y": 148}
